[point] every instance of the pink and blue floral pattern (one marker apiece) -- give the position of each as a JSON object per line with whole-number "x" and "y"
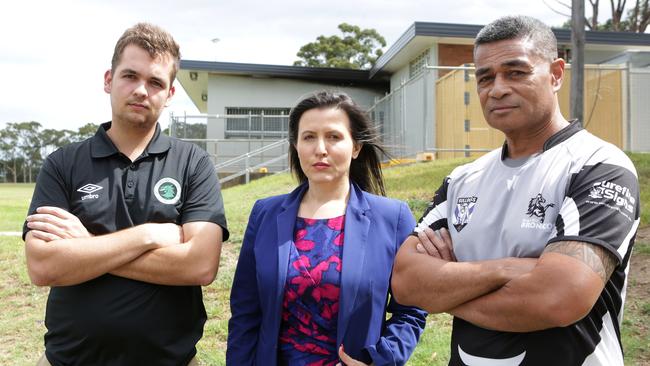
{"x": 311, "y": 298}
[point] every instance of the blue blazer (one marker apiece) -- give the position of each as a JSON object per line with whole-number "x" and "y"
{"x": 375, "y": 227}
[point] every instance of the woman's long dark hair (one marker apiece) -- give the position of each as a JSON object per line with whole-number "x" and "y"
{"x": 365, "y": 170}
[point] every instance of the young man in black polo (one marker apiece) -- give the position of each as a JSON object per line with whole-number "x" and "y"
{"x": 126, "y": 226}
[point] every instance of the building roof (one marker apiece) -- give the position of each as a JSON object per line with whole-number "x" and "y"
{"x": 283, "y": 71}
{"x": 194, "y": 75}
{"x": 421, "y": 34}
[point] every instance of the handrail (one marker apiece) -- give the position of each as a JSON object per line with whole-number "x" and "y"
{"x": 246, "y": 158}
{"x": 251, "y": 153}
{"x": 252, "y": 169}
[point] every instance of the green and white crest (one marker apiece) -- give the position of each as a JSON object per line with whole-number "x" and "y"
{"x": 167, "y": 190}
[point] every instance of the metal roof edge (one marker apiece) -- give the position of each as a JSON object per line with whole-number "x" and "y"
{"x": 456, "y": 30}
{"x": 300, "y": 72}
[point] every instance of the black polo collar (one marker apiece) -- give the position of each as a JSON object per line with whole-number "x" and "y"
{"x": 559, "y": 137}
{"x": 101, "y": 145}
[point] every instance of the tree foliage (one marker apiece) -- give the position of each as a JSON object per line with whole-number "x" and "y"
{"x": 24, "y": 146}
{"x": 356, "y": 48}
{"x": 635, "y": 20}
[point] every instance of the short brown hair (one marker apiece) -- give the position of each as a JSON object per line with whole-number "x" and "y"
{"x": 151, "y": 38}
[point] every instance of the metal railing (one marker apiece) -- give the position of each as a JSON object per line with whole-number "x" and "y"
{"x": 246, "y": 159}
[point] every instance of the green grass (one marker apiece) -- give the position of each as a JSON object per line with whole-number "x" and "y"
{"x": 14, "y": 200}
{"x": 635, "y": 331}
{"x": 23, "y": 305}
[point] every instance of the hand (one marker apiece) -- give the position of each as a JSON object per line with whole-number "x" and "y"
{"x": 53, "y": 223}
{"x": 165, "y": 234}
{"x": 436, "y": 244}
{"x": 347, "y": 360}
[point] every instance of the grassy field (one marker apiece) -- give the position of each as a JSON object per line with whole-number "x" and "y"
{"x": 23, "y": 305}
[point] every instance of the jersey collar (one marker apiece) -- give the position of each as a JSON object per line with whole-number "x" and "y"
{"x": 559, "y": 137}
{"x": 102, "y": 146}
{"x": 563, "y": 135}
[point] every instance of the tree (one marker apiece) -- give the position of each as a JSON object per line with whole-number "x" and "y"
{"x": 356, "y": 49}
{"x": 53, "y": 139}
{"x": 9, "y": 152}
{"x": 20, "y": 150}
{"x": 639, "y": 17}
{"x": 24, "y": 145}
{"x": 590, "y": 23}
{"x": 636, "y": 19}
{"x": 184, "y": 130}
{"x": 29, "y": 143}
{"x": 86, "y": 131}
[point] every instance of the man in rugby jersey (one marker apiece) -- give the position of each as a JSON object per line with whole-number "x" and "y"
{"x": 528, "y": 247}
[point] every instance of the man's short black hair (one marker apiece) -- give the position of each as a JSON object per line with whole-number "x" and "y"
{"x": 520, "y": 27}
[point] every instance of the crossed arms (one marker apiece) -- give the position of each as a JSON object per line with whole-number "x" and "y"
{"x": 61, "y": 252}
{"x": 509, "y": 294}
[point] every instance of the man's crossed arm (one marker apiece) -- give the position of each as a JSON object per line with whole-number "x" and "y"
{"x": 510, "y": 294}
{"x": 61, "y": 252}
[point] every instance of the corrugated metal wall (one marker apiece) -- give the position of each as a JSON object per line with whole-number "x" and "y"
{"x": 603, "y": 102}
{"x": 640, "y": 110}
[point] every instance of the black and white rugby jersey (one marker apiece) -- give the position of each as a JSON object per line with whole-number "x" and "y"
{"x": 579, "y": 188}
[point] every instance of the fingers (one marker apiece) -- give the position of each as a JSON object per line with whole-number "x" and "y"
{"x": 45, "y": 236}
{"x": 347, "y": 360}
{"x": 56, "y": 211}
{"x": 47, "y": 228}
{"x": 47, "y": 218}
{"x": 425, "y": 237}
{"x": 50, "y": 219}
{"x": 436, "y": 244}
{"x": 446, "y": 238}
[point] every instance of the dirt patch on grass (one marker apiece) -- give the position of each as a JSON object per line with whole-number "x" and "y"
{"x": 637, "y": 307}
{"x": 640, "y": 266}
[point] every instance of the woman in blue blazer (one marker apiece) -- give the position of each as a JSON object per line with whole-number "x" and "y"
{"x": 312, "y": 285}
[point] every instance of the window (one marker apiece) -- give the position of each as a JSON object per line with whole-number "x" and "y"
{"x": 416, "y": 66}
{"x": 256, "y": 123}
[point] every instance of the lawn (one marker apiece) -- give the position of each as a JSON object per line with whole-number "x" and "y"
{"x": 23, "y": 305}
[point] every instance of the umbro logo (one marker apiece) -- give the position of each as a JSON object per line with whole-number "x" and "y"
{"x": 89, "y": 189}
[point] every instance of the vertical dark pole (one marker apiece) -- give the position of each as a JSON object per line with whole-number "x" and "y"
{"x": 577, "y": 59}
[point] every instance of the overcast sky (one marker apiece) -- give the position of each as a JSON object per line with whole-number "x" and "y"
{"x": 53, "y": 54}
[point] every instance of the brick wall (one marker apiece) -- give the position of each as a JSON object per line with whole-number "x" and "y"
{"x": 454, "y": 55}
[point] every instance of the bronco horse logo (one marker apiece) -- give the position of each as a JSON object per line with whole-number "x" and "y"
{"x": 537, "y": 208}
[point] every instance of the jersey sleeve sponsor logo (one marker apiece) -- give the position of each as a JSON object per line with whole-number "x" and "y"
{"x": 463, "y": 212}
{"x": 167, "y": 190}
{"x": 471, "y": 360}
{"x": 89, "y": 189}
{"x": 606, "y": 192}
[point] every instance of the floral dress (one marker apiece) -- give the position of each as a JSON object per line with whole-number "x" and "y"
{"x": 311, "y": 296}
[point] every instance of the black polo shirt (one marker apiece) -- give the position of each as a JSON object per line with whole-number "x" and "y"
{"x": 113, "y": 320}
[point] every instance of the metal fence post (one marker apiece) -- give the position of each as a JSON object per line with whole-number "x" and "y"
{"x": 250, "y": 121}
{"x": 248, "y": 171}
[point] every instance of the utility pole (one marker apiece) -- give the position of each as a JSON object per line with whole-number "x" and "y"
{"x": 577, "y": 59}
